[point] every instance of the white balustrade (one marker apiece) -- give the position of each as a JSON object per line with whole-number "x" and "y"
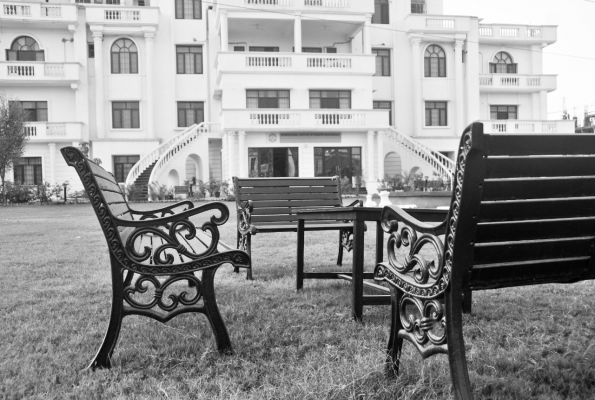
{"x": 328, "y": 3}
{"x": 21, "y": 70}
{"x": 51, "y": 11}
{"x": 122, "y": 15}
{"x": 533, "y": 81}
{"x": 56, "y": 130}
{"x": 16, "y": 10}
{"x": 513, "y": 126}
{"x": 268, "y": 2}
{"x": 268, "y": 61}
{"x": 54, "y": 70}
{"x": 534, "y": 32}
{"x": 486, "y": 81}
{"x": 499, "y": 127}
{"x": 30, "y": 130}
{"x": 485, "y": 30}
{"x": 340, "y": 118}
{"x": 549, "y": 127}
{"x": 524, "y": 127}
{"x": 328, "y": 62}
{"x": 285, "y": 119}
{"x": 440, "y": 23}
{"x": 509, "y": 81}
{"x": 509, "y": 32}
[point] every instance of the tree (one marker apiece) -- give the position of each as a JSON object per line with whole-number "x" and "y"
{"x": 12, "y": 135}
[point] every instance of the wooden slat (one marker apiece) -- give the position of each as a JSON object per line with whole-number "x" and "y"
{"x": 523, "y": 145}
{"x": 287, "y": 182}
{"x": 527, "y": 273}
{"x": 520, "y": 167}
{"x": 287, "y": 189}
{"x": 276, "y": 210}
{"x": 105, "y": 184}
{"x": 119, "y": 208}
{"x": 536, "y": 209}
{"x": 292, "y": 196}
{"x": 97, "y": 170}
{"x": 269, "y": 227}
{"x": 532, "y": 250}
{"x": 524, "y": 230}
{"x": 293, "y": 203}
{"x": 111, "y": 197}
{"x": 540, "y": 188}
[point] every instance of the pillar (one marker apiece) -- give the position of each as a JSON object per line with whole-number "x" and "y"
{"x": 417, "y": 98}
{"x": 370, "y": 156}
{"x": 231, "y": 153}
{"x": 367, "y": 38}
{"x": 472, "y": 68}
{"x": 380, "y": 157}
{"x": 52, "y": 147}
{"x": 543, "y": 105}
{"x": 460, "y": 96}
{"x": 297, "y": 34}
{"x": 224, "y": 32}
{"x": 242, "y": 155}
{"x": 99, "y": 85}
{"x": 149, "y": 37}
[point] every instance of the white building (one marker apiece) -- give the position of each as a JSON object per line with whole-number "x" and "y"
{"x": 282, "y": 87}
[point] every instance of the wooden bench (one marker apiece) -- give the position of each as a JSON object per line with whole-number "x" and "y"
{"x": 264, "y": 206}
{"x": 157, "y": 251}
{"x": 522, "y": 213}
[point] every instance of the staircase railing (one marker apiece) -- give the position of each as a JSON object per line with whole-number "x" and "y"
{"x": 150, "y": 158}
{"x": 182, "y": 141}
{"x": 439, "y": 162}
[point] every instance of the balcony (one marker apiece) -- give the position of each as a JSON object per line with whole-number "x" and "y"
{"x": 39, "y": 73}
{"x": 426, "y": 23}
{"x": 41, "y": 14}
{"x": 520, "y": 126}
{"x": 291, "y": 120}
{"x": 292, "y": 63}
{"x": 120, "y": 20}
{"x": 514, "y": 83}
{"x": 519, "y": 34}
{"x": 54, "y": 131}
{"x": 325, "y": 6}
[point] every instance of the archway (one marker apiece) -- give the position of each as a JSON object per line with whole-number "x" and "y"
{"x": 392, "y": 165}
{"x": 193, "y": 168}
{"x": 173, "y": 179}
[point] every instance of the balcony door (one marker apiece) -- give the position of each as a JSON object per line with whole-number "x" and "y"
{"x": 344, "y": 162}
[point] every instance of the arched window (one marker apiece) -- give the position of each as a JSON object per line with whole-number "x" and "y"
{"x": 502, "y": 64}
{"x": 24, "y": 48}
{"x": 434, "y": 62}
{"x": 124, "y": 57}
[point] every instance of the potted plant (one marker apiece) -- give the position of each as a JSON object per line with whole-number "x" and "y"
{"x": 214, "y": 188}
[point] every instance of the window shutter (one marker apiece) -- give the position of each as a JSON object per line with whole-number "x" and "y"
{"x": 384, "y": 13}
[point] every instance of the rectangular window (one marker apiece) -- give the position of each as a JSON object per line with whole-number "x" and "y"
{"x": 385, "y": 105}
{"x": 330, "y": 50}
{"x": 338, "y": 161}
{"x": 311, "y": 49}
{"x": 91, "y": 50}
{"x": 190, "y": 113}
{"x": 503, "y": 68}
{"x": 267, "y": 98}
{"x": 380, "y": 12}
{"x": 269, "y": 49}
{"x": 188, "y": 9}
{"x": 189, "y": 59}
{"x": 418, "y": 6}
{"x": 123, "y": 165}
{"x": 239, "y": 48}
{"x": 382, "y": 62}
{"x": 503, "y": 112}
{"x": 273, "y": 162}
{"x": 436, "y": 113}
{"x": 337, "y": 99}
{"x": 125, "y": 115}
{"x": 27, "y": 171}
{"x": 35, "y": 111}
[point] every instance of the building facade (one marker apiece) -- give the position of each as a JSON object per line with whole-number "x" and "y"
{"x": 278, "y": 88}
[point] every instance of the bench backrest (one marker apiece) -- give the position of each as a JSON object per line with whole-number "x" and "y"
{"x": 523, "y": 209}
{"x": 101, "y": 186}
{"x": 273, "y": 198}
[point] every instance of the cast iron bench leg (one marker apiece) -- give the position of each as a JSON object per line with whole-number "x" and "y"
{"x": 395, "y": 343}
{"x": 340, "y": 256}
{"x": 212, "y": 312}
{"x": 456, "y": 343}
{"x": 467, "y": 298}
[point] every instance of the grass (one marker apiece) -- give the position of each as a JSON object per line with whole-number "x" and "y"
{"x": 522, "y": 343}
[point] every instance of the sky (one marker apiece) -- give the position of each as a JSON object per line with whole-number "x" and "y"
{"x": 572, "y": 57}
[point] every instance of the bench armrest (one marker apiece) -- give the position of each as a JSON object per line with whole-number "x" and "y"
{"x": 163, "y": 210}
{"x": 392, "y": 215}
{"x": 357, "y": 203}
{"x": 245, "y": 219}
{"x": 180, "y": 216}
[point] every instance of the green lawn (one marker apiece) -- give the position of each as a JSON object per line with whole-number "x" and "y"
{"x": 525, "y": 343}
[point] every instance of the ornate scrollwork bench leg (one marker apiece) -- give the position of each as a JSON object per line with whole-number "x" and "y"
{"x": 345, "y": 242}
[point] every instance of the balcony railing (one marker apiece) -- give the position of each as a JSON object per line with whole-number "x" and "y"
{"x": 355, "y": 6}
{"x": 123, "y": 16}
{"x": 38, "y": 12}
{"x": 518, "y": 33}
{"x": 272, "y": 120}
{"x": 522, "y": 126}
{"x": 238, "y": 62}
{"x": 39, "y": 72}
{"x": 502, "y": 82}
{"x": 437, "y": 23}
{"x": 53, "y": 130}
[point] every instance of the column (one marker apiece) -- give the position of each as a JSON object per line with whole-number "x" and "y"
{"x": 543, "y": 105}
{"x": 231, "y": 153}
{"x": 460, "y": 96}
{"x": 472, "y": 75}
{"x": 149, "y": 37}
{"x": 415, "y": 55}
{"x": 367, "y": 39}
{"x": 297, "y": 34}
{"x": 224, "y": 32}
{"x": 371, "y": 185}
{"x": 52, "y": 147}
{"x": 380, "y": 158}
{"x": 99, "y": 85}
{"x": 243, "y": 155}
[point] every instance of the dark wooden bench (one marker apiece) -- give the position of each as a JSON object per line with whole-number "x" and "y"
{"x": 264, "y": 205}
{"x": 157, "y": 251}
{"x": 522, "y": 213}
